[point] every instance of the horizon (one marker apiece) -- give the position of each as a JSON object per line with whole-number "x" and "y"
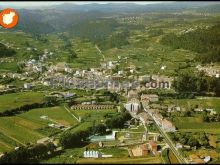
{"x": 49, "y": 3}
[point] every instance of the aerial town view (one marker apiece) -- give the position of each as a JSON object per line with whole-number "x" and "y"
{"x": 110, "y": 82}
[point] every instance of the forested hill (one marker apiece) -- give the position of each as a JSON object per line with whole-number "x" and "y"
{"x": 6, "y": 52}
{"x": 203, "y": 41}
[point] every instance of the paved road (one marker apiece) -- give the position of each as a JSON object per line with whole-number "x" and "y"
{"x": 178, "y": 155}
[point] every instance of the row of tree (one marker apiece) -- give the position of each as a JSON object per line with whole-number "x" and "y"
{"x": 28, "y": 154}
{"x": 199, "y": 83}
{"x": 192, "y": 139}
{"x": 47, "y": 102}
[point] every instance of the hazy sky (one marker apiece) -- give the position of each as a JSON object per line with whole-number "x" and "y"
{"x": 47, "y": 3}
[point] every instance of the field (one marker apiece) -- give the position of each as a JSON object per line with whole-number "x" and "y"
{"x": 91, "y": 115}
{"x": 203, "y": 102}
{"x": 25, "y": 127}
{"x": 14, "y": 100}
{"x": 193, "y": 124}
{"x": 150, "y": 160}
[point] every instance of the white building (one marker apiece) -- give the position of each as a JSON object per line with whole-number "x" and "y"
{"x": 92, "y": 154}
{"x": 132, "y": 107}
{"x": 27, "y": 86}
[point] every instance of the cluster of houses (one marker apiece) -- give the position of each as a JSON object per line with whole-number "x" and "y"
{"x": 144, "y": 149}
{"x": 210, "y": 70}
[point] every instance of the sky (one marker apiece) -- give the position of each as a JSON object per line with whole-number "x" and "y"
{"x": 48, "y": 3}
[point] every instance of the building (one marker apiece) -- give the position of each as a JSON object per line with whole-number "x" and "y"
{"x": 132, "y": 94}
{"x": 92, "y": 154}
{"x": 140, "y": 150}
{"x": 68, "y": 95}
{"x": 149, "y": 97}
{"x": 153, "y": 147}
{"x": 167, "y": 126}
{"x": 133, "y": 107}
{"x": 144, "y": 117}
{"x": 27, "y": 86}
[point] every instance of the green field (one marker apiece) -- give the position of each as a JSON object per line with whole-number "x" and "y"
{"x": 150, "y": 160}
{"x": 24, "y": 128}
{"x": 15, "y": 100}
{"x": 90, "y": 115}
{"x": 193, "y": 124}
{"x": 203, "y": 102}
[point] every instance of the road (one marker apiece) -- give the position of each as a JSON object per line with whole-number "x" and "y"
{"x": 100, "y": 52}
{"x": 178, "y": 155}
{"x": 71, "y": 113}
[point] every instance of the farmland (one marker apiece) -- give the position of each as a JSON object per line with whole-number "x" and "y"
{"x": 150, "y": 160}
{"x": 29, "y": 123}
{"x": 15, "y": 100}
{"x": 193, "y": 124}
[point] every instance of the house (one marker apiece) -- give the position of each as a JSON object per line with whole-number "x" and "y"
{"x": 167, "y": 126}
{"x": 60, "y": 67}
{"x": 198, "y": 109}
{"x": 150, "y": 97}
{"x": 92, "y": 154}
{"x": 153, "y": 147}
{"x": 120, "y": 72}
{"x": 140, "y": 150}
{"x": 178, "y": 145}
{"x": 212, "y": 111}
{"x": 132, "y": 94}
{"x": 27, "y": 86}
{"x": 207, "y": 159}
{"x": 68, "y": 95}
{"x": 44, "y": 140}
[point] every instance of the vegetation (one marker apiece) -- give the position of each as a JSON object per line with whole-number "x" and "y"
{"x": 6, "y": 52}
{"x": 203, "y": 41}
{"x": 30, "y": 154}
{"x": 196, "y": 82}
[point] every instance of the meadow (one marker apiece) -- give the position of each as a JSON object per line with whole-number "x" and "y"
{"x": 15, "y": 100}
{"x": 25, "y": 128}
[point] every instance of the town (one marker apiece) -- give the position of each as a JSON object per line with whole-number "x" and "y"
{"x": 138, "y": 94}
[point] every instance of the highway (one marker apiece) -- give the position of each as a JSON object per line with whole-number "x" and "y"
{"x": 178, "y": 155}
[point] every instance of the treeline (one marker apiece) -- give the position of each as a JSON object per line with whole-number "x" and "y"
{"x": 47, "y": 102}
{"x": 199, "y": 83}
{"x": 72, "y": 139}
{"x": 6, "y": 52}
{"x": 192, "y": 139}
{"x": 28, "y": 154}
{"x": 24, "y": 108}
{"x": 203, "y": 41}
